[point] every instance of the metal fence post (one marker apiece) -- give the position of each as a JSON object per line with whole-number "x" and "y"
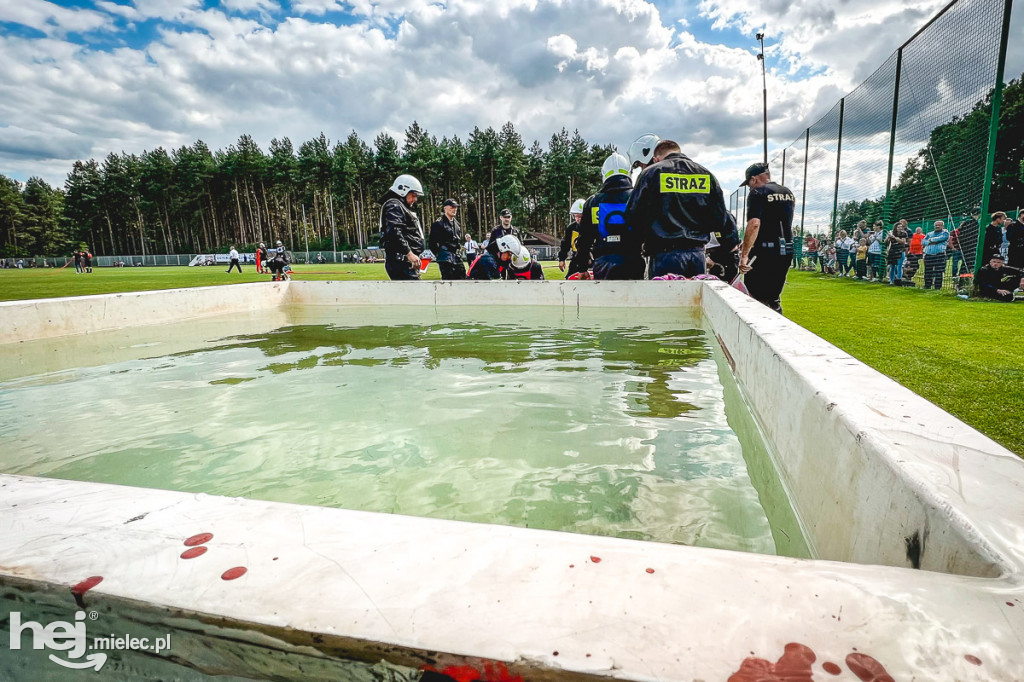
{"x": 993, "y": 136}
{"x": 783, "y": 181}
{"x": 803, "y": 201}
{"x": 839, "y": 156}
{"x": 887, "y": 204}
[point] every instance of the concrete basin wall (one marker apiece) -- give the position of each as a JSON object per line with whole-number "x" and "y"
{"x": 335, "y": 594}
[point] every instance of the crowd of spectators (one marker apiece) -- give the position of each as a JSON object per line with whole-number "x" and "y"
{"x": 898, "y": 255}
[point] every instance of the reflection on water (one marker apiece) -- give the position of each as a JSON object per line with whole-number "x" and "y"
{"x": 604, "y": 426}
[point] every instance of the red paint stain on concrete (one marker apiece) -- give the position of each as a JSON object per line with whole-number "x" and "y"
{"x": 596, "y": 559}
{"x": 867, "y": 669}
{"x": 974, "y": 660}
{"x": 831, "y": 668}
{"x": 650, "y": 570}
{"x": 492, "y": 672}
{"x": 81, "y": 588}
{"x": 200, "y": 539}
{"x": 193, "y": 553}
{"x": 232, "y": 573}
{"x": 793, "y": 666}
{"x": 86, "y": 585}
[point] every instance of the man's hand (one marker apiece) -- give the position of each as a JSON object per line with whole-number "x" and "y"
{"x": 1003, "y": 292}
{"x": 744, "y": 267}
{"x": 413, "y": 259}
{"x": 561, "y": 265}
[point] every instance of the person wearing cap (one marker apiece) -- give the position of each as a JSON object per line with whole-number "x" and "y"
{"x": 401, "y": 235}
{"x": 446, "y": 240}
{"x": 768, "y": 236}
{"x": 503, "y": 229}
{"x": 675, "y": 206}
{"x": 577, "y": 263}
{"x": 998, "y": 281}
{"x": 605, "y": 236}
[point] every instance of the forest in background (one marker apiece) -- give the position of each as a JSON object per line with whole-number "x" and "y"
{"x": 195, "y": 200}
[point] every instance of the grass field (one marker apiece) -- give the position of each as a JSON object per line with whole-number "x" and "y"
{"x": 966, "y": 357}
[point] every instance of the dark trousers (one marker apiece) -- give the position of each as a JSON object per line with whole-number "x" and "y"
{"x": 687, "y": 263}
{"x": 934, "y": 269}
{"x": 454, "y": 270}
{"x": 576, "y": 265}
{"x": 470, "y": 257}
{"x": 398, "y": 268}
{"x": 234, "y": 264}
{"x": 619, "y": 266}
{"x": 767, "y": 278}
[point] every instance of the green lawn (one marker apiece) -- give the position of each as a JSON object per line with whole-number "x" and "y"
{"x": 965, "y": 356}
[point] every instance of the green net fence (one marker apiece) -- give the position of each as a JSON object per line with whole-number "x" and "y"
{"x": 911, "y": 143}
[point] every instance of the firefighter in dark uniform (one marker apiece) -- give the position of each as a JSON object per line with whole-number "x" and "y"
{"x": 446, "y": 242}
{"x": 503, "y": 229}
{"x": 400, "y": 230}
{"x": 675, "y": 206}
{"x": 576, "y": 263}
{"x": 769, "y": 236}
{"x": 604, "y": 234}
{"x": 522, "y": 266}
{"x": 724, "y": 254}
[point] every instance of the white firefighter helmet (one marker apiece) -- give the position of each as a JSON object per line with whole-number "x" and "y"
{"x": 521, "y": 260}
{"x": 509, "y": 244}
{"x": 577, "y": 207}
{"x": 616, "y": 164}
{"x": 642, "y": 150}
{"x": 404, "y": 184}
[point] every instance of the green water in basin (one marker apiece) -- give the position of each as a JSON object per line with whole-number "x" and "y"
{"x": 608, "y": 422}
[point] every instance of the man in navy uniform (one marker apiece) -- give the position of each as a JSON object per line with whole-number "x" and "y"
{"x": 503, "y": 229}
{"x": 769, "y": 236}
{"x": 675, "y": 207}
{"x": 604, "y": 233}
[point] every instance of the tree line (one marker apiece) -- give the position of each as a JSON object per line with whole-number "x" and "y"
{"x": 195, "y": 200}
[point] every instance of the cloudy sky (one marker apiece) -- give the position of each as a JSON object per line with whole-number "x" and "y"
{"x": 81, "y": 78}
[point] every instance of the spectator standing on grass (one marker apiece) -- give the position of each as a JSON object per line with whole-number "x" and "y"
{"x": 798, "y": 252}
{"x": 998, "y": 281}
{"x": 861, "y": 264}
{"x": 811, "y": 247}
{"x": 993, "y": 243}
{"x": 875, "y": 253}
{"x": 78, "y": 262}
{"x": 935, "y": 256}
{"x": 1015, "y": 240}
{"x": 896, "y": 246}
{"x": 233, "y": 257}
{"x": 843, "y": 244}
{"x": 471, "y": 249}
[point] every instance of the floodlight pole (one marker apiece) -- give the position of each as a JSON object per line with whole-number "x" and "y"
{"x": 764, "y": 93}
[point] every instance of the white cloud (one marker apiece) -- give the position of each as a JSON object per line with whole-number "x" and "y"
{"x": 51, "y": 19}
{"x": 612, "y": 68}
